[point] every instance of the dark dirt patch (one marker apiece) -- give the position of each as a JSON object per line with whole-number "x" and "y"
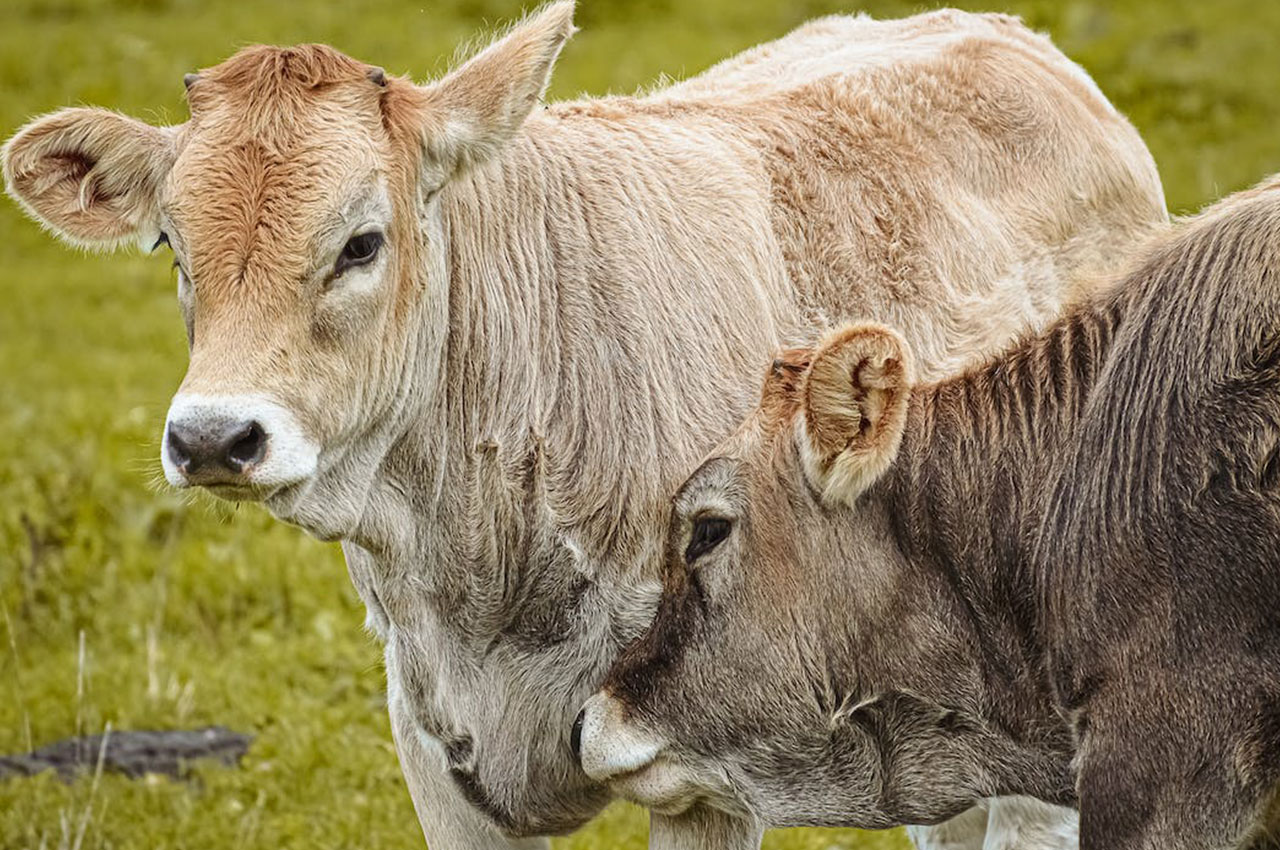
{"x": 133, "y": 753}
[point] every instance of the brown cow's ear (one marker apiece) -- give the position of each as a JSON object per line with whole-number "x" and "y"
{"x": 854, "y": 399}
{"x": 91, "y": 176}
{"x": 476, "y": 109}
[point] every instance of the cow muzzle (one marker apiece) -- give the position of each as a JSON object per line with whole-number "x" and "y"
{"x": 630, "y": 759}
{"x": 240, "y": 447}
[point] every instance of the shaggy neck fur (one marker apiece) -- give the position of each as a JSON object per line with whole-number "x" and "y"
{"x": 971, "y": 494}
{"x": 535, "y": 357}
{"x": 511, "y": 533}
{"x": 970, "y": 487}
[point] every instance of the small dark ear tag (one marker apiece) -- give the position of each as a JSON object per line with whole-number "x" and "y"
{"x": 378, "y": 77}
{"x": 791, "y": 361}
{"x": 783, "y": 380}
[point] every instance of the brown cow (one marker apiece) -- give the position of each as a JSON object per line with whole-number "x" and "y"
{"x": 1056, "y": 575}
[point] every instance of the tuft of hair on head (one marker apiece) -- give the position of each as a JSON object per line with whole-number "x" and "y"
{"x": 854, "y": 400}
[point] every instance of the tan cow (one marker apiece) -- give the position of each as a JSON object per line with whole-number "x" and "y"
{"x": 479, "y": 340}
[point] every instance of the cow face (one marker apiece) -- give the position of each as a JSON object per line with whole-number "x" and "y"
{"x": 729, "y": 698}
{"x": 300, "y": 204}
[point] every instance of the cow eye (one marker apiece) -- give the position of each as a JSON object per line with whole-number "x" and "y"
{"x": 359, "y": 250}
{"x": 708, "y": 533}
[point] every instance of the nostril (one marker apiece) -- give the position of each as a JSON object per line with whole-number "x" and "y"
{"x": 247, "y": 447}
{"x": 575, "y": 737}
{"x": 179, "y": 451}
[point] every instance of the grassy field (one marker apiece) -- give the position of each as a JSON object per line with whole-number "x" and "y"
{"x": 122, "y": 604}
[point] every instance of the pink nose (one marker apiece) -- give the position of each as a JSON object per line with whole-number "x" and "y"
{"x": 606, "y": 745}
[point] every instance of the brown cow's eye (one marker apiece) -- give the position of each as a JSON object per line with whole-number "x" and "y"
{"x": 708, "y": 533}
{"x": 359, "y": 250}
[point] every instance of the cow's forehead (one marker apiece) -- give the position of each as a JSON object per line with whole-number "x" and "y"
{"x": 281, "y": 144}
{"x": 271, "y": 119}
{"x": 309, "y": 174}
{"x": 714, "y": 486}
{"x": 756, "y": 447}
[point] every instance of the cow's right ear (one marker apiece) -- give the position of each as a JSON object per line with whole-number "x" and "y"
{"x": 854, "y": 409}
{"x": 92, "y": 176}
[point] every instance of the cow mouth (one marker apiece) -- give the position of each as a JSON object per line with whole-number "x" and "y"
{"x": 234, "y": 492}
{"x": 241, "y": 492}
{"x": 272, "y": 496}
{"x": 659, "y": 785}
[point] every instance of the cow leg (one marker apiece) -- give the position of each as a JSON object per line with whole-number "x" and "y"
{"x": 965, "y": 831}
{"x": 703, "y": 829}
{"x": 448, "y": 821}
{"x": 1003, "y": 823}
{"x": 1025, "y": 823}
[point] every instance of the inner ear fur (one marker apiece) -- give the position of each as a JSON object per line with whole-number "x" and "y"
{"x": 854, "y": 403}
{"x": 475, "y": 109}
{"x": 90, "y": 175}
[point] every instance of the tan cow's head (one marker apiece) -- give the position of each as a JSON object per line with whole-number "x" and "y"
{"x": 299, "y": 202}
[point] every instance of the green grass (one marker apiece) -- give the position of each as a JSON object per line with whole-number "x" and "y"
{"x": 190, "y": 613}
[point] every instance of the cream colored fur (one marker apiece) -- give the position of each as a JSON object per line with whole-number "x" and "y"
{"x": 568, "y": 307}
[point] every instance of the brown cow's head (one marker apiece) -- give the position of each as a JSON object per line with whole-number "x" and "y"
{"x": 728, "y": 699}
{"x": 300, "y": 202}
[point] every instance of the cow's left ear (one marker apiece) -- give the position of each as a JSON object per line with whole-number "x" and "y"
{"x": 854, "y": 409}
{"x": 476, "y": 108}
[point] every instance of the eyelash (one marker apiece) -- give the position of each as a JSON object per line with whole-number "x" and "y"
{"x": 371, "y": 241}
{"x": 707, "y": 534}
{"x": 163, "y": 239}
{"x": 360, "y": 250}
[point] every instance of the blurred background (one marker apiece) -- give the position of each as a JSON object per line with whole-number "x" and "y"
{"x": 122, "y": 603}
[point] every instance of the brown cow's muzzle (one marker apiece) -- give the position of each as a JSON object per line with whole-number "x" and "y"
{"x": 606, "y": 745}
{"x": 631, "y": 760}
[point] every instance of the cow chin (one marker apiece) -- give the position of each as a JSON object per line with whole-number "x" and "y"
{"x": 663, "y": 786}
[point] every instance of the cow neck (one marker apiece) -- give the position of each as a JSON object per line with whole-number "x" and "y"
{"x": 513, "y": 489}
{"x": 971, "y": 482}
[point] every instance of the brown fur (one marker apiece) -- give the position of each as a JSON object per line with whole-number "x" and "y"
{"x": 1062, "y": 584}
